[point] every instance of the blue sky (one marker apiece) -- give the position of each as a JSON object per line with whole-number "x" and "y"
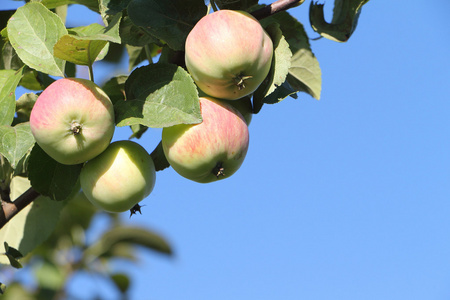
{"x": 343, "y": 198}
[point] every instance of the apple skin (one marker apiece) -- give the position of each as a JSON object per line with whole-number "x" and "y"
{"x": 244, "y": 106}
{"x": 209, "y": 151}
{"x": 225, "y": 47}
{"x": 72, "y": 120}
{"x": 119, "y": 178}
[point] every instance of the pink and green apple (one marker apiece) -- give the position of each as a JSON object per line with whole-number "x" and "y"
{"x": 228, "y": 54}
{"x": 72, "y": 120}
{"x": 211, "y": 150}
{"x": 118, "y": 178}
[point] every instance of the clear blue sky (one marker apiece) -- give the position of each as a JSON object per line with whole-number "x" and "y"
{"x": 343, "y": 198}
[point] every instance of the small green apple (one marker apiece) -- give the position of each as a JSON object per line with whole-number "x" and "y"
{"x": 118, "y": 178}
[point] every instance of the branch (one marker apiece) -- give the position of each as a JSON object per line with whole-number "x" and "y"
{"x": 10, "y": 209}
{"x": 275, "y": 7}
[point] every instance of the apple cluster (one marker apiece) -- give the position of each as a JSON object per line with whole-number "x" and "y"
{"x": 73, "y": 122}
{"x": 228, "y": 54}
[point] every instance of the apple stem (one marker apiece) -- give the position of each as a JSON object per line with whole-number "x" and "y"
{"x": 240, "y": 81}
{"x": 76, "y": 128}
{"x": 275, "y": 7}
{"x": 218, "y": 170}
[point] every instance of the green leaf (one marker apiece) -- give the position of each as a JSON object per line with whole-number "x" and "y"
{"x": 121, "y": 281}
{"x": 24, "y": 105}
{"x": 134, "y": 236}
{"x": 33, "y": 224}
{"x": 159, "y": 95}
{"x": 33, "y": 31}
{"x": 343, "y": 24}
{"x": 38, "y": 81}
{"x": 271, "y": 90}
{"x": 304, "y": 73}
{"x": 50, "y": 178}
{"x": 84, "y": 44}
{"x": 115, "y": 88}
{"x": 91, "y": 4}
{"x": 50, "y": 276}
{"x": 2, "y": 288}
{"x": 9, "y": 79}
{"x": 9, "y": 58}
{"x": 159, "y": 159}
{"x": 138, "y": 130}
{"x": 134, "y": 35}
{"x": 16, "y": 142}
{"x": 170, "y": 20}
{"x": 12, "y": 251}
{"x": 236, "y": 5}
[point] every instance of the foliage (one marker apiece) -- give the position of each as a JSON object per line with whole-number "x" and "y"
{"x": 38, "y": 48}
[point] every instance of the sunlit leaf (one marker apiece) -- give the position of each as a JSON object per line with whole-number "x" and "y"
{"x": 9, "y": 79}
{"x": 33, "y": 31}
{"x": 15, "y": 142}
{"x": 159, "y": 95}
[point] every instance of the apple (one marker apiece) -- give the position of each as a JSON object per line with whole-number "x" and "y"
{"x": 72, "y": 120}
{"x": 119, "y": 178}
{"x": 244, "y": 106}
{"x": 228, "y": 54}
{"x": 211, "y": 150}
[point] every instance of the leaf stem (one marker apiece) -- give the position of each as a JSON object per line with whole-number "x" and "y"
{"x": 10, "y": 209}
{"x": 275, "y": 7}
{"x": 91, "y": 73}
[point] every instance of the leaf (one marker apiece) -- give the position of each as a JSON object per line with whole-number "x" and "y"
{"x": 2, "y": 288}
{"x": 38, "y": 81}
{"x": 9, "y": 58}
{"x": 236, "y": 5}
{"x": 84, "y": 44}
{"x": 33, "y": 224}
{"x": 33, "y": 31}
{"x": 277, "y": 76}
{"x": 134, "y": 236}
{"x": 91, "y": 4}
{"x": 170, "y": 20}
{"x": 159, "y": 95}
{"x": 305, "y": 74}
{"x": 15, "y": 142}
{"x": 343, "y": 24}
{"x": 9, "y": 79}
{"x": 133, "y": 35}
{"x": 12, "y": 251}
{"x": 115, "y": 88}
{"x": 159, "y": 159}
{"x": 121, "y": 281}
{"x": 50, "y": 178}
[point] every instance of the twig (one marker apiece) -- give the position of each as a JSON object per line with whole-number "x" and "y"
{"x": 10, "y": 209}
{"x": 275, "y": 7}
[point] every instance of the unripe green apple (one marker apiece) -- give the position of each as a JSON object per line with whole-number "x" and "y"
{"x": 228, "y": 54}
{"x": 118, "y": 178}
{"x": 72, "y": 120}
{"x": 211, "y": 150}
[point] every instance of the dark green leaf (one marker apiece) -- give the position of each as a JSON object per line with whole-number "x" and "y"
{"x": 16, "y": 142}
{"x": 134, "y": 35}
{"x": 112, "y": 7}
{"x": 135, "y": 236}
{"x": 12, "y": 251}
{"x": 236, "y": 5}
{"x": 343, "y": 24}
{"x": 159, "y": 95}
{"x": 9, "y": 79}
{"x": 9, "y": 58}
{"x": 115, "y": 88}
{"x": 159, "y": 159}
{"x": 33, "y": 31}
{"x": 51, "y": 178}
{"x": 13, "y": 262}
{"x": 169, "y": 20}
{"x": 121, "y": 281}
